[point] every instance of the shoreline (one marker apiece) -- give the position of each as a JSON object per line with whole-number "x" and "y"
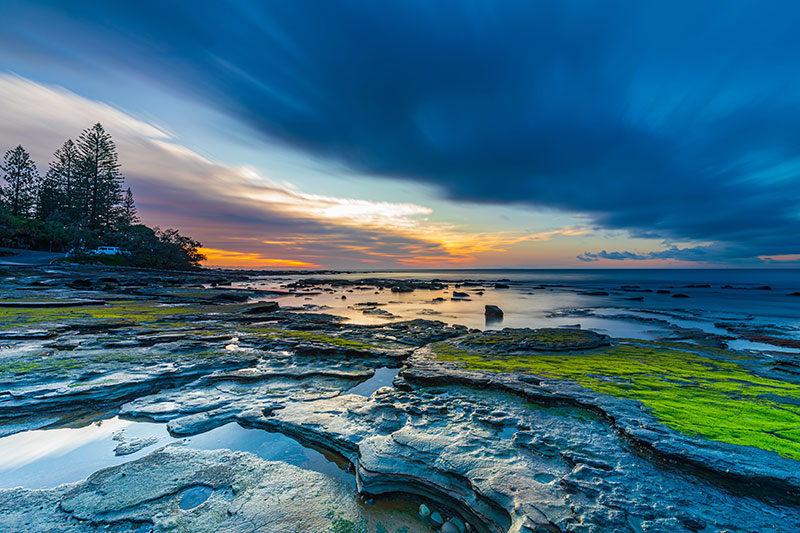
{"x": 475, "y": 425}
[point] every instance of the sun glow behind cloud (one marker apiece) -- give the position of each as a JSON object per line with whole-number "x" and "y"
{"x": 243, "y": 217}
{"x": 224, "y": 258}
{"x": 656, "y": 125}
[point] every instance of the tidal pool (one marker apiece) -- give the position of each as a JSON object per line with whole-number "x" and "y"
{"x": 383, "y": 378}
{"x": 46, "y": 458}
{"x": 49, "y": 457}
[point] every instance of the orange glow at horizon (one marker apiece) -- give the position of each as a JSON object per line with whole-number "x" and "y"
{"x": 227, "y": 258}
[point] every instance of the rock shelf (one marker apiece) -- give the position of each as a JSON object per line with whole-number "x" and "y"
{"x": 517, "y": 430}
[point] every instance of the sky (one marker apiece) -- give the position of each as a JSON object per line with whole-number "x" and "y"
{"x": 417, "y": 134}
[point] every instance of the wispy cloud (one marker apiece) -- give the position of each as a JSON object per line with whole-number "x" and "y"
{"x": 658, "y": 119}
{"x": 244, "y": 217}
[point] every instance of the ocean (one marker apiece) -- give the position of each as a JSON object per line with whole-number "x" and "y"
{"x": 735, "y": 305}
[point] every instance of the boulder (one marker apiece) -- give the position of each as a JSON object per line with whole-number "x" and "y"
{"x": 492, "y": 311}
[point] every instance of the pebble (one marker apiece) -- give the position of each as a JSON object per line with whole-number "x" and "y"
{"x": 449, "y": 527}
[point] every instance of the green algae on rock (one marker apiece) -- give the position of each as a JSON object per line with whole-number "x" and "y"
{"x": 696, "y": 390}
{"x": 125, "y": 311}
{"x": 308, "y": 336}
{"x": 546, "y": 339}
{"x": 565, "y": 441}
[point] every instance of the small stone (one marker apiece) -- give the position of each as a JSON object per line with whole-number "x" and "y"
{"x": 449, "y": 527}
{"x": 462, "y": 527}
{"x": 424, "y": 511}
{"x": 436, "y": 519}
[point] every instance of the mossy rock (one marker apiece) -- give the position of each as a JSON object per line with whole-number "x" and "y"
{"x": 513, "y": 341}
{"x": 696, "y": 390}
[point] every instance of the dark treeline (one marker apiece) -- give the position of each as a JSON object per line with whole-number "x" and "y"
{"x": 80, "y": 203}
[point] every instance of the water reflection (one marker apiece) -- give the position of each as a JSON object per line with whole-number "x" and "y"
{"x": 383, "y": 377}
{"x": 50, "y": 457}
{"x": 494, "y": 322}
{"x": 557, "y": 298}
{"x": 21, "y": 449}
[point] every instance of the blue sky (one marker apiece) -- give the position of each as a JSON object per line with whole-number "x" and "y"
{"x": 417, "y": 133}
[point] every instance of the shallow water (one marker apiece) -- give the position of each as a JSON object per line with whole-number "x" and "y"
{"x": 383, "y": 378}
{"x": 557, "y": 298}
{"x": 49, "y": 457}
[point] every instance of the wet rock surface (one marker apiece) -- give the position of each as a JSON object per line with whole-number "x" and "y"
{"x": 517, "y": 430}
{"x": 492, "y": 311}
{"x": 237, "y": 492}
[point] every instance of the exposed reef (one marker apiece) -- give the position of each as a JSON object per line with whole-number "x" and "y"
{"x": 177, "y": 489}
{"x": 519, "y": 430}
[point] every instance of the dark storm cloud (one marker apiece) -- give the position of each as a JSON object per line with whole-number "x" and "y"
{"x": 697, "y": 253}
{"x": 675, "y": 120}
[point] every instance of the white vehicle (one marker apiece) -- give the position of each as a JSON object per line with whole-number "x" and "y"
{"x": 109, "y": 250}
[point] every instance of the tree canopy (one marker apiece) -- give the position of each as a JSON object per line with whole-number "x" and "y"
{"x": 80, "y": 203}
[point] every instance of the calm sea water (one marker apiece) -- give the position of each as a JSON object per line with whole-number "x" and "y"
{"x": 632, "y": 306}
{"x": 783, "y": 278}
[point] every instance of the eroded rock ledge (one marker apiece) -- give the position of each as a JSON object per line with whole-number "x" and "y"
{"x": 178, "y": 489}
{"x": 518, "y": 431}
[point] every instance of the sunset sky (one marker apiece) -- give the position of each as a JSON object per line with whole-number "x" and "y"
{"x": 411, "y": 134}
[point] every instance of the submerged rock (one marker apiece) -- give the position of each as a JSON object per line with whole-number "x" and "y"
{"x": 130, "y": 446}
